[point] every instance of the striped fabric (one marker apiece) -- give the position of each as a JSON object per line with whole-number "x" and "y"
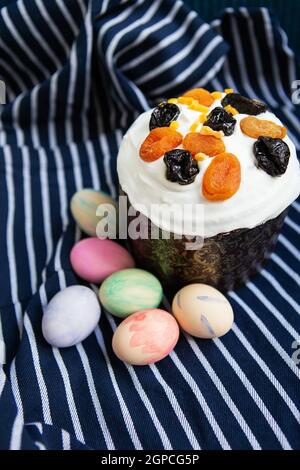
{"x": 77, "y": 73}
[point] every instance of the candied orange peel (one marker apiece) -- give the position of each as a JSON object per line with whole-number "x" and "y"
{"x": 200, "y": 157}
{"x": 228, "y": 91}
{"x": 159, "y": 141}
{"x": 231, "y": 110}
{"x": 255, "y": 128}
{"x": 195, "y": 143}
{"x": 208, "y": 131}
{"x": 222, "y": 178}
{"x": 217, "y": 95}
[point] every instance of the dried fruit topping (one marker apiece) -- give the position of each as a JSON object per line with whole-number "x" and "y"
{"x": 201, "y": 95}
{"x": 181, "y": 168}
{"x": 198, "y": 143}
{"x": 219, "y": 120}
{"x": 163, "y": 115}
{"x": 222, "y": 178}
{"x": 229, "y": 90}
{"x": 200, "y": 157}
{"x": 255, "y": 128}
{"x": 217, "y": 95}
{"x": 231, "y": 110}
{"x": 158, "y": 142}
{"x": 272, "y": 155}
{"x": 244, "y": 105}
{"x": 208, "y": 131}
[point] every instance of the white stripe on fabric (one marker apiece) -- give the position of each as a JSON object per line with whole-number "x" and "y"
{"x": 293, "y": 225}
{"x": 66, "y": 13}
{"x": 144, "y": 398}
{"x": 96, "y": 402}
{"x": 38, "y": 371}
{"x": 2, "y": 380}
{"x": 266, "y": 302}
{"x": 15, "y": 59}
{"x": 93, "y": 165}
{"x": 40, "y": 445}
{"x": 66, "y": 440}
{"x": 273, "y": 56}
{"x": 176, "y": 58}
{"x": 254, "y": 395}
{"x": 263, "y": 84}
{"x": 268, "y": 335}
{"x": 10, "y": 237}
{"x": 189, "y": 70}
{"x": 224, "y": 394}
{"x": 18, "y": 38}
{"x": 201, "y": 400}
{"x": 241, "y": 63}
{"x": 14, "y": 76}
{"x": 164, "y": 43}
{"x": 146, "y": 32}
{"x": 266, "y": 370}
{"x": 28, "y": 219}
{"x": 16, "y": 389}
{"x": 296, "y": 206}
{"x": 66, "y": 380}
{"x": 287, "y": 269}
{"x": 280, "y": 290}
{"x": 50, "y": 22}
{"x": 62, "y": 188}
{"x": 289, "y": 246}
{"x": 34, "y": 31}
{"x": 123, "y": 407}
{"x": 46, "y": 204}
{"x": 176, "y": 408}
{"x": 16, "y": 434}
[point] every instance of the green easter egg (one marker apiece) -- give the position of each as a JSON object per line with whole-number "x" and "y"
{"x": 84, "y": 205}
{"x": 129, "y": 291}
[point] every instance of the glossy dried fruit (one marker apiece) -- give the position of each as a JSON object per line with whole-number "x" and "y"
{"x": 255, "y": 128}
{"x": 163, "y": 115}
{"x": 181, "y": 168}
{"x": 201, "y": 95}
{"x": 195, "y": 143}
{"x": 219, "y": 120}
{"x": 244, "y": 105}
{"x": 222, "y": 178}
{"x": 158, "y": 142}
{"x": 272, "y": 155}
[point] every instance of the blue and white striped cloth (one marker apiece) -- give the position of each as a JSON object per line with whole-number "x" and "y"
{"x": 77, "y": 73}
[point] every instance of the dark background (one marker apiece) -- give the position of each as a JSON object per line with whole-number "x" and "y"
{"x": 287, "y": 11}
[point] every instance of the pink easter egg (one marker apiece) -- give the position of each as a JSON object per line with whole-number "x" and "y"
{"x": 94, "y": 259}
{"x": 145, "y": 337}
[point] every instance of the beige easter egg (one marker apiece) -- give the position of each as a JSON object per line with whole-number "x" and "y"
{"x": 84, "y": 206}
{"x": 202, "y": 311}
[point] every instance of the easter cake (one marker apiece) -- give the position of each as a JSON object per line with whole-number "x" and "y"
{"x": 221, "y": 151}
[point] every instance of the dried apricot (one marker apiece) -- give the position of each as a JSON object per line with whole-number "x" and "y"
{"x": 201, "y": 95}
{"x": 195, "y": 143}
{"x": 222, "y": 178}
{"x": 158, "y": 142}
{"x": 255, "y": 128}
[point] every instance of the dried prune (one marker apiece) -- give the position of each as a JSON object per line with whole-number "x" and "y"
{"x": 244, "y": 105}
{"x": 163, "y": 115}
{"x": 181, "y": 168}
{"x": 272, "y": 155}
{"x": 219, "y": 120}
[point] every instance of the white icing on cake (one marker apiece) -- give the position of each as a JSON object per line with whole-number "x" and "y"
{"x": 260, "y": 197}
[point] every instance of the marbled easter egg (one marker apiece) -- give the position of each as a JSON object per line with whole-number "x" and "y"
{"x": 71, "y": 316}
{"x": 202, "y": 311}
{"x": 94, "y": 259}
{"x": 84, "y": 205}
{"x": 130, "y": 290}
{"x": 145, "y": 337}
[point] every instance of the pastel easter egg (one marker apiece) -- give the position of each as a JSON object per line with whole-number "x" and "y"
{"x": 71, "y": 316}
{"x": 129, "y": 291}
{"x": 202, "y": 311}
{"x": 94, "y": 259}
{"x": 84, "y": 205}
{"x": 145, "y": 337}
